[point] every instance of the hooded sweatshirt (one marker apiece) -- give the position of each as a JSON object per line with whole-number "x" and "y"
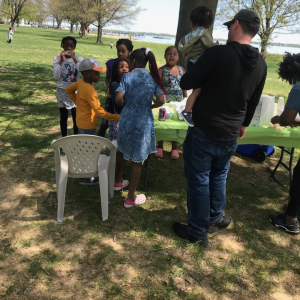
{"x": 231, "y": 78}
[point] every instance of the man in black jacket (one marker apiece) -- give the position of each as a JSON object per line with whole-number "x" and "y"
{"x": 231, "y": 79}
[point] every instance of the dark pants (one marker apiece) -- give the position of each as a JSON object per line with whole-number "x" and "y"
{"x": 64, "y": 121}
{"x": 206, "y": 163}
{"x": 293, "y": 208}
{"x": 9, "y": 41}
{"x": 104, "y": 124}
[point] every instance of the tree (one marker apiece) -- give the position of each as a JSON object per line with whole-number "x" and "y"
{"x": 57, "y": 8}
{"x": 184, "y": 25}
{"x": 275, "y": 15}
{"x": 12, "y": 8}
{"x": 28, "y": 12}
{"x": 42, "y": 13}
{"x": 85, "y": 15}
{"x": 114, "y": 11}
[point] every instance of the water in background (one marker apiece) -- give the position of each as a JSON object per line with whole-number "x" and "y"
{"x": 171, "y": 41}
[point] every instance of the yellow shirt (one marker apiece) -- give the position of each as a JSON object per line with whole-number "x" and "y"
{"x": 88, "y": 105}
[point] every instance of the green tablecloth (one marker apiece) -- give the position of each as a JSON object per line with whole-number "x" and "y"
{"x": 171, "y": 130}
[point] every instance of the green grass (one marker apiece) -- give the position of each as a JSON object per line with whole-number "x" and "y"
{"x": 135, "y": 254}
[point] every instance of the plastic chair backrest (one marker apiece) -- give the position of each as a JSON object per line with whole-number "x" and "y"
{"x": 82, "y": 152}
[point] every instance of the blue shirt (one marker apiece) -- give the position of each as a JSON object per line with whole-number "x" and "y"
{"x": 293, "y": 101}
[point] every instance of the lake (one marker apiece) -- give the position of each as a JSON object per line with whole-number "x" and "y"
{"x": 171, "y": 41}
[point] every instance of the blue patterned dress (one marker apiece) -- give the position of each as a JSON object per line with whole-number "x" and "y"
{"x": 172, "y": 84}
{"x": 136, "y": 135}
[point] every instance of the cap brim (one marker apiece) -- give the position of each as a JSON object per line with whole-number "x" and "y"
{"x": 100, "y": 69}
{"x": 227, "y": 23}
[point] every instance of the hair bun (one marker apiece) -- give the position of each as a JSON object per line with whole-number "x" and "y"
{"x": 147, "y": 51}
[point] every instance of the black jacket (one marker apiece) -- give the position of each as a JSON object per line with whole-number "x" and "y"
{"x": 232, "y": 78}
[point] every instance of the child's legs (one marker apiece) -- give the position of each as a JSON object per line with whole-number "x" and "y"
{"x": 120, "y": 167}
{"x": 75, "y": 128}
{"x": 135, "y": 175}
{"x": 191, "y": 100}
{"x": 63, "y": 121}
{"x": 174, "y": 145}
{"x": 160, "y": 144}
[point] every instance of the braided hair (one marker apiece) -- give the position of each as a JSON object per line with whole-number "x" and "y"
{"x": 114, "y": 70}
{"x": 126, "y": 42}
{"x": 68, "y": 38}
{"x": 289, "y": 68}
{"x": 141, "y": 60}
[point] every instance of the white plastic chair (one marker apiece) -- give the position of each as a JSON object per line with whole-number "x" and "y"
{"x": 84, "y": 159}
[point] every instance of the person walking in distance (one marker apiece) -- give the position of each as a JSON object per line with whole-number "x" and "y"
{"x": 231, "y": 78}
{"x": 9, "y": 33}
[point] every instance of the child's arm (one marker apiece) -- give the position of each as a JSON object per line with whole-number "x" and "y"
{"x": 191, "y": 100}
{"x": 107, "y": 78}
{"x": 71, "y": 89}
{"x": 207, "y": 40}
{"x": 56, "y": 67}
{"x": 93, "y": 100}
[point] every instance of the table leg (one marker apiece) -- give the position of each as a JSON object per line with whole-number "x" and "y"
{"x": 280, "y": 162}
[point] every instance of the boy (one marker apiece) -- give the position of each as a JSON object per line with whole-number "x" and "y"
{"x": 87, "y": 102}
{"x": 192, "y": 46}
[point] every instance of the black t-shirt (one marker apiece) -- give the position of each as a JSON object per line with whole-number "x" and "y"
{"x": 232, "y": 79}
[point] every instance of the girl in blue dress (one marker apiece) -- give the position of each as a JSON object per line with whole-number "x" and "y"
{"x": 136, "y": 136}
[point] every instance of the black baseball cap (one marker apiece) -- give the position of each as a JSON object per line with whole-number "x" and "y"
{"x": 246, "y": 15}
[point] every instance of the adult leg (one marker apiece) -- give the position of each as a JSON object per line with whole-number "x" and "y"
{"x": 198, "y": 154}
{"x": 75, "y": 128}
{"x": 63, "y": 121}
{"x": 217, "y": 177}
{"x": 293, "y": 208}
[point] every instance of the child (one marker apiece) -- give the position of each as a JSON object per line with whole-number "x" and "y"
{"x": 124, "y": 48}
{"x": 119, "y": 69}
{"x": 171, "y": 74}
{"x": 66, "y": 71}
{"x": 88, "y": 103}
{"x": 136, "y": 136}
{"x": 111, "y": 45}
{"x": 9, "y": 33}
{"x": 192, "y": 46}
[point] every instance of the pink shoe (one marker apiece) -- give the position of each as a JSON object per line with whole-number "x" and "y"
{"x": 174, "y": 154}
{"x": 139, "y": 199}
{"x": 119, "y": 186}
{"x": 159, "y": 153}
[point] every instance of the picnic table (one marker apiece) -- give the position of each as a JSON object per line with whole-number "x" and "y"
{"x": 175, "y": 130}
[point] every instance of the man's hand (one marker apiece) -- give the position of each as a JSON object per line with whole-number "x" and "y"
{"x": 275, "y": 120}
{"x": 242, "y": 132}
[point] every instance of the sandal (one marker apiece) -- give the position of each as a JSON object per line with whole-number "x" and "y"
{"x": 174, "y": 154}
{"x": 119, "y": 186}
{"x": 139, "y": 199}
{"x": 159, "y": 153}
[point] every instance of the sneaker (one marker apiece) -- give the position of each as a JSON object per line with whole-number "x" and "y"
{"x": 187, "y": 117}
{"x": 280, "y": 221}
{"x": 139, "y": 199}
{"x": 219, "y": 226}
{"x": 89, "y": 181}
{"x": 181, "y": 231}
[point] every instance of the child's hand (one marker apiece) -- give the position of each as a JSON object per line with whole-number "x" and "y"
{"x": 72, "y": 54}
{"x": 217, "y": 42}
{"x": 63, "y": 55}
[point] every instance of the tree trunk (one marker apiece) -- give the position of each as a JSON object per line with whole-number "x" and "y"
{"x": 84, "y": 30}
{"x": 264, "y": 46}
{"x": 53, "y": 22}
{"x": 76, "y": 28}
{"x": 184, "y": 25}
{"x": 99, "y": 34}
{"x": 72, "y": 27}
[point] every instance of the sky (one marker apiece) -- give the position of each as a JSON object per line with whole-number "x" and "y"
{"x": 161, "y": 16}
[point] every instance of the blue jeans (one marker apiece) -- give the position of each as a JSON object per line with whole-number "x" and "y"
{"x": 87, "y": 131}
{"x": 206, "y": 163}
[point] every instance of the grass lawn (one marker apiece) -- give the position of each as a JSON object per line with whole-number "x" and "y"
{"x": 135, "y": 254}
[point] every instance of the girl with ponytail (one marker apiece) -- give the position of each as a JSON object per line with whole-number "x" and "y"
{"x": 136, "y": 136}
